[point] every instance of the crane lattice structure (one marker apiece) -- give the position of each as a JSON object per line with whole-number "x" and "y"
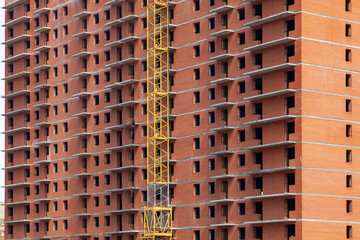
{"x": 158, "y": 212}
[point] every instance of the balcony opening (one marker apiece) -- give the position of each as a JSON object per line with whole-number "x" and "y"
{"x": 224, "y": 21}
{"x": 225, "y": 164}
{"x": 258, "y": 109}
{"x": 257, "y": 10}
{"x": 224, "y": 141}
{"x": 84, "y": 4}
{"x": 258, "y": 60}
{"x": 258, "y": 84}
{"x": 119, "y": 96}
{"x": 290, "y": 206}
{"x": 258, "y": 233}
{"x": 119, "y": 180}
{"x": 259, "y": 135}
{"x": 225, "y": 69}
{"x": 225, "y": 92}
{"x": 119, "y": 53}
{"x": 119, "y": 138}
{"x": 290, "y": 103}
{"x": 290, "y": 129}
{"x": 290, "y": 155}
{"x": 258, "y": 209}
{"x": 258, "y": 183}
{"x": 289, "y": 3}
{"x": 290, "y": 52}
{"x": 259, "y": 159}
{"x": 290, "y": 231}
{"x": 225, "y": 234}
{"x": 119, "y": 12}
{"x": 84, "y": 24}
{"x": 289, "y": 26}
{"x": 258, "y": 35}
{"x": 289, "y": 181}
{"x": 132, "y": 7}
{"x": 289, "y": 78}
{"x": 225, "y": 45}
{"x": 224, "y": 116}
{"x": 225, "y": 212}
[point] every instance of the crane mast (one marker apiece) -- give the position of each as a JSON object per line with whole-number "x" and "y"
{"x": 158, "y": 212}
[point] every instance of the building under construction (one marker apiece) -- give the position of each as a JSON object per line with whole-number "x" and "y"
{"x": 231, "y": 120}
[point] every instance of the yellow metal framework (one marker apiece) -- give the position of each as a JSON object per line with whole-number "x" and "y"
{"x": 158, "y": 212}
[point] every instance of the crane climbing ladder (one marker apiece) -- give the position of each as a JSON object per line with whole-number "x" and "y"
{"x": 158, "y": 212}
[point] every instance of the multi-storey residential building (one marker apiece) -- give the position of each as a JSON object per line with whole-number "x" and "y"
{"x": 264, "y": 97}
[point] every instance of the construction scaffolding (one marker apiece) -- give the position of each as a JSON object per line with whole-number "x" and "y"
{"x": 158, "y": 212}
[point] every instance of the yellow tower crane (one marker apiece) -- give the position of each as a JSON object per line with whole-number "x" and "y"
{"x": 158, "y": 212}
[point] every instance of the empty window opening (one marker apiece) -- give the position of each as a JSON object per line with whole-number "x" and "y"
{"x": 348, "y": 130}
{"x": 196, "y": 189}
{"x": 196, "y": 166}
{"x": 196, "y": 143}
{"x": 257, "y": 10}
{"x": 196, "y": 28}
{"x": 196, "y": 74}
{"x": 241, "y": 38}
{"x": 211, "y": 211}
{"x": 241, "y": 87}
{"x": 196, "y": 97}
{"x": 348, "y": 80}
{"x": 241, "y": 14}
{"x": 241, "y": 111}
{"x": 258, "y": 157}
{"x": 197, "y": 215}
{"x": 196, "y": 120}
{"x": 196, "y": 5}
{"x": 258, "y": 232}
{"x": 348, "y": 206}
{"x": 348, "y": 156}
{"x": 241, "y": 62}
{"x": 348, "y": 55}
{"x": 348, "y": 181}
{"x": 348, "y": 232}
{"x": 241, "y": 209}
{"x": 348, "y": 5}
{"x": 348, "y": 105}
{"x": 348, "y": 30}
{"x": 197, "y": 51}
{"x": 241, "y": 233}
{"x": 258, "y": 184}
